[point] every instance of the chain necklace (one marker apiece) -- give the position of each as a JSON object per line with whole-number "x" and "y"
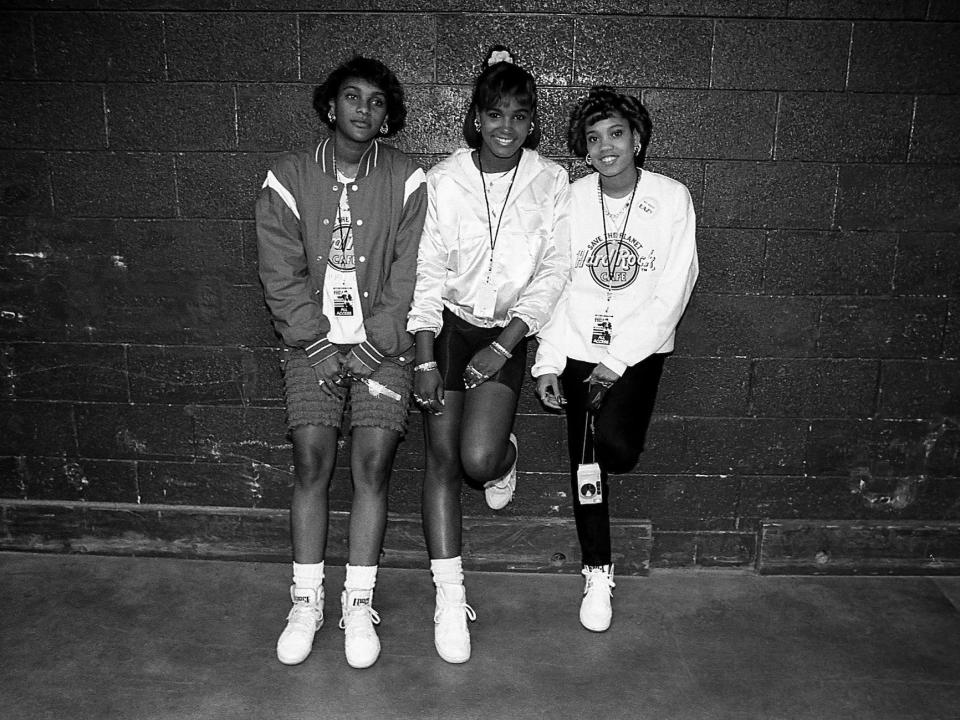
{"x": 611, "y": 260}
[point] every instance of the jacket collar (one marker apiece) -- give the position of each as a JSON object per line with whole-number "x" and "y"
{"x": 323, "y": 155}
{"x": 469, "y": 175}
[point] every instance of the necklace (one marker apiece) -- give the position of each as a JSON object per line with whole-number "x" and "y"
{"x": 486, "y": 200}
{"x": 612, "y": 259}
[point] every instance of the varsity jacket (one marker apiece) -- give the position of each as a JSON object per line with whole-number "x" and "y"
{"x": 530, "y": 259}
{"x": 296, "y": 212}
{"x": 650, "y": 278}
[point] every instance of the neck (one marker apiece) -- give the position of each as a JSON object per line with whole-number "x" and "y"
{"x": 348, "y": 152}
{"x": 489, "y": 162}
{"x": 621, "y": 184}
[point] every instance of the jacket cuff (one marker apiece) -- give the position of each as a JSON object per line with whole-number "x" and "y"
{"x": 618, "y": 366}
{"x": 320, "y": 350}
{"x": 368, "y": 354}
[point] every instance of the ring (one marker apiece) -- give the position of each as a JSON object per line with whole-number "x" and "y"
{"x": 320, "y": 382}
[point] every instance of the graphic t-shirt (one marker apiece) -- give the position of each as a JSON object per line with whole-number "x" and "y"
{"x": 341, "y": 296}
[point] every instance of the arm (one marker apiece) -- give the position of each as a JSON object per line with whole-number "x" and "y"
{"x": 536, "y": 303}
{"x": 284, "y": 271}
{"x": 426, "y": 310}
{"x": 657, "y": 319}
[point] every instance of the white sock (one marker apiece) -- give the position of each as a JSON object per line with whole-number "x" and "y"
{"x": 360, "y": 577}
{"x": 308, "y": 576}
{"x": 448, "y": 571}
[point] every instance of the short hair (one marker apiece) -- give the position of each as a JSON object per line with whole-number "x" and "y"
{"x": 602, "y": 102}
{"x": 375, "y": 73}
{"x": 503, "y": 78}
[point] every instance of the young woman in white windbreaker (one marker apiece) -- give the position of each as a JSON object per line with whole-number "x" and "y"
{"x": 633, "y": 266}
{"x": 492, "y": 262}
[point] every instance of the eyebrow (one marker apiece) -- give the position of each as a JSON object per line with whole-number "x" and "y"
{"x": 357, "y": 88}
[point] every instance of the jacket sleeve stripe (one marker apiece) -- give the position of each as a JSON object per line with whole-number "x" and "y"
{"x": 416, "y": 179}
{"x": 285, "y": 195}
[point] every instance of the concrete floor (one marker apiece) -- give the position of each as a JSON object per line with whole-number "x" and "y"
{"x": 108, "y": 637}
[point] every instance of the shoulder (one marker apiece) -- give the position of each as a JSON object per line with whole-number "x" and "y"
{"x": 453, "y": 168}
{"x": 545, "y": 166}
{"x": 664, "y": 184}
{"x": 399, "y": 165}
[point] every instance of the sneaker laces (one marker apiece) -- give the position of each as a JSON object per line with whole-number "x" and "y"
{"x": 359, "y": 621}
{"x": 598, "y": 580}
{"x": 445, "y": 607}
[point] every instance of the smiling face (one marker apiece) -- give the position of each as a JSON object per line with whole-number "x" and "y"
{"x": 610, "y": 143}
{"x": 503, "y": 130}
{"x": 360, "y": 107}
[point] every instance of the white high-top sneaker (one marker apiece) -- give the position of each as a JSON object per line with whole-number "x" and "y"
{"x": 303, "y": 621}
{"x": 450, "y": 633}
{"x": 360, "y": 642}
{"x": 499, "y": 493}
{"x": 595, "y": 609}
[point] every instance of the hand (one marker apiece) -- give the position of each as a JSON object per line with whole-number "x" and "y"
{"x": 482, "y": 366}
{"x": 328, "y": 375}
{"x": 602, "y": 375}
{"x": 549, "y": 391}
{"x": 352, "y": 366}
{"x": 428, "y": 391}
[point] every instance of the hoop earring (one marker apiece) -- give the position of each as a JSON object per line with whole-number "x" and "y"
{"x": 587, "y": 160}
{"x": 331, "y": 116}
{"x": 637, "y": 148}
{"x": 533, "y": 126}
{"x": 476, "y": 124}
{"x": 385, "y": 128}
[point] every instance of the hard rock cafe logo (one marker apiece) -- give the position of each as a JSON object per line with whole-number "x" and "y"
{"x": 341, "y": 252}
{"x": 617, "y": 262}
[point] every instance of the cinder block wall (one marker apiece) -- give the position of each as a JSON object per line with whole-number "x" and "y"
{"x": 817, "y": 375}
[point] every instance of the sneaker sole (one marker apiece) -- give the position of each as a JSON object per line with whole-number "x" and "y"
{"x": 452, "y": 659}
{"x": 290, "y": 659}
{"x": 597, "y": 629}
{"x": 363, "y": 666}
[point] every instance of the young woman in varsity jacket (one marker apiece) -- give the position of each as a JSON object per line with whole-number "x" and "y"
{"x": 633, "y": 266}
{"x": 338, "y": 226}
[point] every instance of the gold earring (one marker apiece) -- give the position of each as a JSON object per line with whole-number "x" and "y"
{"x": 476, "y": 124}
{"x": 385, "y": 128}
{"x": 587, "y": 160}
{"x": 331, "y": 115}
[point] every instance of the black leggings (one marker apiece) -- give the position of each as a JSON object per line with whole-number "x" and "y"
{"x": 619, "y": 431}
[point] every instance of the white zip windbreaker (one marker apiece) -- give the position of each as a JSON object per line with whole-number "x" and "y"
{"x": 531, "y": 257}
{"x": 653, "y": 277}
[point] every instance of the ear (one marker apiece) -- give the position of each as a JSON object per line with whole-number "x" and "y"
{"x": 332, "y": 104}
{"x": 636, "y": 140}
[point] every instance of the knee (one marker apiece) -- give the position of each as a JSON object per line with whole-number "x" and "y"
{"x": 480, "y": 463}
{"x": 312, "y": 470}
{"x": 618, "y": 456}
{"x": 371, "y": 469}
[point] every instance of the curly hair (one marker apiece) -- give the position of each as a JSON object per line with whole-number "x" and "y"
{"x": 375, "y": 73}
{"x": 495, "y": 82}
{"x": 602, "y": 102}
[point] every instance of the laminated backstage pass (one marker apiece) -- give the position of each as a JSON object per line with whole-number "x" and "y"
{"x": 589, "y": 489}
{"x": 486, "y": 300}
{"x": 343, "y": 302}
{"x": 602, "y": 329}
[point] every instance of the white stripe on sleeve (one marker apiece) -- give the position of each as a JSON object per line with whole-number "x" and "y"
{"x": 275, "y": 185}
{"x": 416, "y": 179}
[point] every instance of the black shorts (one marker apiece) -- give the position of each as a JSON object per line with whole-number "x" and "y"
{"x": 459, "y": 341}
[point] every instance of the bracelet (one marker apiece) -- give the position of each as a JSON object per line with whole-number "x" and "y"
{"x": 425, "y": 367}
{"x": 500, "y": 350}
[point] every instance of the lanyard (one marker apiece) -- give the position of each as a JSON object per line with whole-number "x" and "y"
{"x": 606, "y": 245}
{"x": 486, "y": 200}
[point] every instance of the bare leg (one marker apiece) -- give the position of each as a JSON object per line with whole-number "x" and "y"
{"x": 441, "y": 485}
{"x": 371, "y": 462}
{"x": 485, "y": 449}
{"x": 314, "y": 456}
